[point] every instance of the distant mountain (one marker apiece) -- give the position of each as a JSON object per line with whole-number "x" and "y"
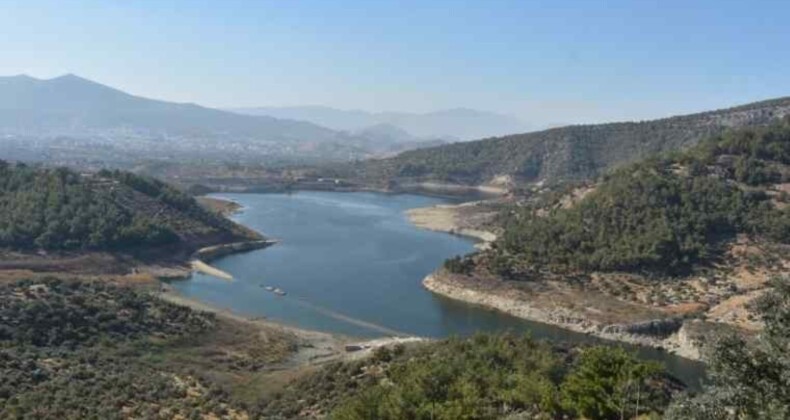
{"x": 451, "y": 124}
{"x": 566, "y": 153}
{"x": 90, "y": 121}
{"x": 70, "y": 104}
{"x": 386, "y": 132}
{"x": 390, "y": 139}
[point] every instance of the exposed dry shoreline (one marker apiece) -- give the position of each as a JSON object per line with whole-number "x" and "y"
{"x": 201, "y": 258}
{"x": 313, "y": 347}
{"x": 449, "y": 218}
{"x": 501, "y": 298}
{"x": 427, "y": 188}
{"x": 455, "y": 219}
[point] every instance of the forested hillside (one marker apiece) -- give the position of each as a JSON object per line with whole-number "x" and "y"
{"x": 483, "y": 377}
{"x": 663, "y": 215}
{"x": 59, "y": 209}
{"x": 566, "y": 153}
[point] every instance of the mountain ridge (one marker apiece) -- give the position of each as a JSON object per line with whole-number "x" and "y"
{"x": 75, "y": 115}
{"x": 448, "y": 124}
{"x": 67, "y": 92}
{"x": 570, "y": 153}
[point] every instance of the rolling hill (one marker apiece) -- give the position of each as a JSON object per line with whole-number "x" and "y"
{"x": 61, "y": 210}
{"x": 671, "y": 251}
{"x": 559, "y": 154}
{"x": 663, "y": 215}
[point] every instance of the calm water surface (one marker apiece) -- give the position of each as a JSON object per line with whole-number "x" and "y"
{"x": 351, "y": 263}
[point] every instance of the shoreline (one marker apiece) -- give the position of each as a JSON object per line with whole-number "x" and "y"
{"x": 199, "y": 261}
{"x": 448, "y": 218}
{"x": 427, "y": 189}
{"x": 445, "y": 218}
{"x": 201, "y": 258}
{"x": 677, "y": 343}
{"x": 202, "y": 267}
{"x": 314, "y": 347}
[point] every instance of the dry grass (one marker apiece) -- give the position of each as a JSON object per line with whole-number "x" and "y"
{"x": 218, "y": 205}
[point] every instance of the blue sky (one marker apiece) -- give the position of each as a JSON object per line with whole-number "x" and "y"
{"x": 546, "y": 62}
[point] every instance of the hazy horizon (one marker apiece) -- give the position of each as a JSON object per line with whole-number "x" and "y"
{"x": 532, "y": 125}
{"x": 273, "y": 106}
{"x": 564, "y": 63}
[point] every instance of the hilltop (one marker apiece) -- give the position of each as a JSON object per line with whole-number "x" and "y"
{"x": 50, "y": 213}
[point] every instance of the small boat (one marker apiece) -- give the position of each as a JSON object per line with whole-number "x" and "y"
{"x": 269, "y": 288}
{"x": 279, "y": 292}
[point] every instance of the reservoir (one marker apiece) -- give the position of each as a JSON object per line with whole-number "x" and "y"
{"x": 352, "y": 264}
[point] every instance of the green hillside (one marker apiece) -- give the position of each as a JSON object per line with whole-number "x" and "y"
{"x": 663, "y": 215}
{"x": 58, "y": 209}
{"x": 488, "y": 376}
{"x": 566, "y": 153}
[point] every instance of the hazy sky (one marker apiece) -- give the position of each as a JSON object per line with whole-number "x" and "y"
{"x": 546, "y": 62}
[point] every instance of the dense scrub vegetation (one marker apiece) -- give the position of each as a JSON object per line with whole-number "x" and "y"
{"x": 483, "y": 377}
{"x": 67, "y": 350}
{"x": 750, "y": 379}
{"x": 61, "y": 209}
{"x": 662, "y": 215}
{"x": 71, "y": 314}
{"x": 559, "y": 154}
{"x": 97, "y": 363}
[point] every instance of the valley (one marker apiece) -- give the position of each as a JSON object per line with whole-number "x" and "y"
{"x": 671, "y": 295}
{"x": 394, "y": 210}
{"x": 355, "y": 306}
{"x": 235, "y": 378}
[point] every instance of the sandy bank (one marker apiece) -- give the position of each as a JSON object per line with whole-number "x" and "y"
{"x": 198, "y": 263}
{"x": 217, "y": 251}
{"x": 454, "y": 189}
{"x": 204, "y": 268}
{"x": 450, "y": 219}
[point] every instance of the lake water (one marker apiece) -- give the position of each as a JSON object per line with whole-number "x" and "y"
{"x": 351, "y": 263}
